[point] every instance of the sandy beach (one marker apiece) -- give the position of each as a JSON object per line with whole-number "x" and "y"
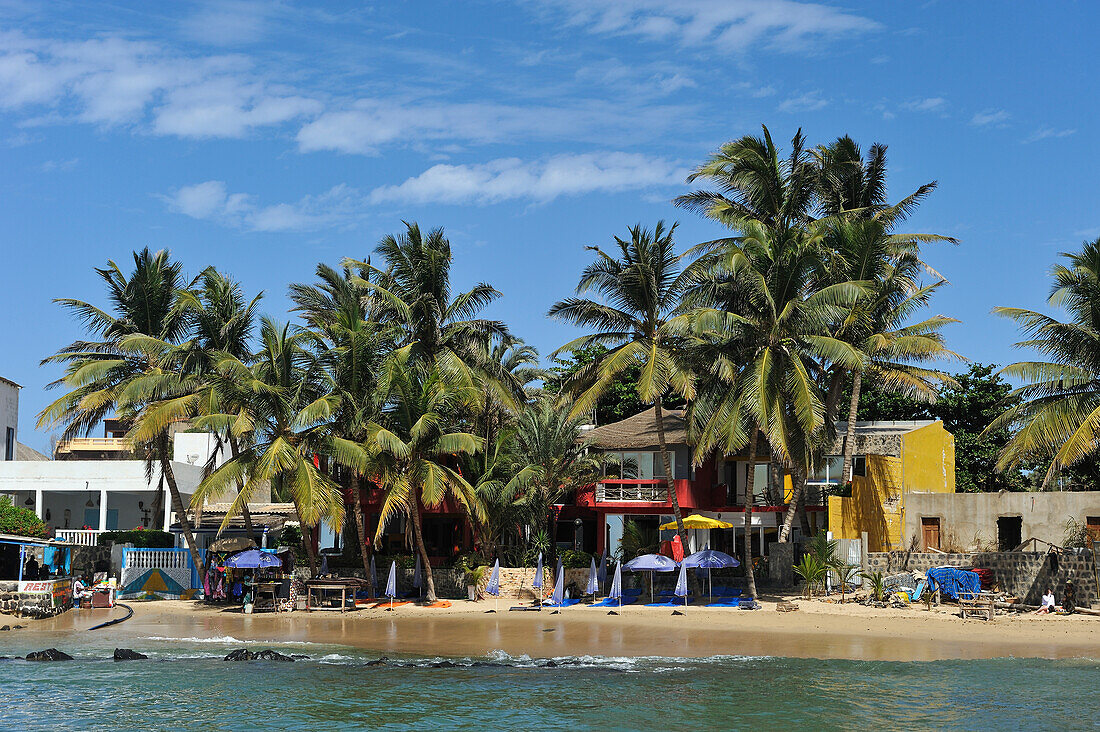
{"x": 817, "y": 630}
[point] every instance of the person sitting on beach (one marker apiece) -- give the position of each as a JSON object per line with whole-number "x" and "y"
{"x": 1069, "y": 598}
{"x": 1048, "y": 602}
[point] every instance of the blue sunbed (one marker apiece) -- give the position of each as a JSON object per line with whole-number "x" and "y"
{"x": 675, "y": 602}
{"x": 564, "y": 603}
{"x": 608, "y": 602}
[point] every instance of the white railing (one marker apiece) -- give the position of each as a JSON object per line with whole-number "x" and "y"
{"x": 646, "y": 492}
{"x": 156, "y": 559}
{"x": 95, "y": 443}
{"x": 84, "y": 537}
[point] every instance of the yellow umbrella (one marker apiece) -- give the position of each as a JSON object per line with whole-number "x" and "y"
{"x": 695, "y": 521}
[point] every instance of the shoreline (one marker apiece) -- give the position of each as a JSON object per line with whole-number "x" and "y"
{"x": 817, "y": 630}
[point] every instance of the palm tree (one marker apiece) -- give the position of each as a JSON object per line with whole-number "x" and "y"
{"x": 287, "y": 400}
{"x": 640, "y": 291}
{"x": 352, "y": 348}
{"x": 1058, "y": 414}
{"x": 413, "y": 449}
{"x": 762, "y": 328}
{"x": 117, "y": 372}
{"x": 550, "y": 462}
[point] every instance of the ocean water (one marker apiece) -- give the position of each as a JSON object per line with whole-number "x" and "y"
{"x": 186, "y": 685}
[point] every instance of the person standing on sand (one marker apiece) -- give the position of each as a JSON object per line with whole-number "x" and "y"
{"x": 1069, "y": 598}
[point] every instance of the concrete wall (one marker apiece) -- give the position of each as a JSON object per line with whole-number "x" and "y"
{"x": 928, "y": 460}
{"x": 9, "y": 416}
{"x": 970, "y": 519}
{"x": 1023, "y": 574}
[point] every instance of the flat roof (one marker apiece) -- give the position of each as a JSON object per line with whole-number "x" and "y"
{"x": 16, "y": 539}
{"x": 9, "y": 381}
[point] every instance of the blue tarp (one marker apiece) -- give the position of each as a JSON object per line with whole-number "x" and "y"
{"x": 953, "y": 581}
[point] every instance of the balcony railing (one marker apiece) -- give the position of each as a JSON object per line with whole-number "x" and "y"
{"x": 84, "y": 537}
{"x": 644, "y": 491}
{"x": 95, "y": 444}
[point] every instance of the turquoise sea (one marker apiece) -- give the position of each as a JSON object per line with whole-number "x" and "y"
{"x": 186, "y": 685}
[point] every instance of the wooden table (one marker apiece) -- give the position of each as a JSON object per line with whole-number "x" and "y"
{"x": 266, "y": 588}
{"x": 322, "y": 588}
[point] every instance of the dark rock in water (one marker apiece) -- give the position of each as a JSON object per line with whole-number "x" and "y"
{"x": 444, "y": 664}
{"x": 267, "y": 654}
{"x": 299, "y": 656}
{"x": 50, "y": 654}
{"x": 5, "y": 627}
{"x": 380, "y": 662}
{"x": 550, "y": 664}
{"x": 18, "y": 627}
{"x": 125, "y": 654}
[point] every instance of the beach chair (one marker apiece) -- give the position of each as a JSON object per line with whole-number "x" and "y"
{"x": 748, "y": 603}
{"x": 608, "y": 602}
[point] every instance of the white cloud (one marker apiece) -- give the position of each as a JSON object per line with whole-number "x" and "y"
{"x": 727, "y": 25}
{"x": 929, "y": 104}
{"x": 211, "y": 201}
{"x": 1045, "y": 133}
{"x": 228, "y": 22}
{"x": 808, "y": 102}
{"x": 990, "y": 117}
{"x": 511, "y": 178}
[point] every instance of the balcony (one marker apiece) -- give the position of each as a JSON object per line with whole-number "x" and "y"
{"x": 83, "y": 537}
{"x": 94, "y": 444}
{"x": 632, "y": 491}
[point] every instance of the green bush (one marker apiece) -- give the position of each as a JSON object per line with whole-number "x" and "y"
{"x": 573, "y": 559}
{"x": 140, "y": 538}
{"x": 19, "y": 521}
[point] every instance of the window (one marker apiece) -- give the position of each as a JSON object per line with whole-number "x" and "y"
{"x": 9, "y": 444}
{"x": 859, "y": 465}
{"x": 639, "y": 465}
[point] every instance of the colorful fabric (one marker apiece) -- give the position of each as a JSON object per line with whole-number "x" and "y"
{"x": 954, "y": 582}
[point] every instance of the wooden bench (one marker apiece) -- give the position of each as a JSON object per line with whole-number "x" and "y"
{"x": 981, "y": 606}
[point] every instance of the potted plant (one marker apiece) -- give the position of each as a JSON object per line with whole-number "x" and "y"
{"x": 474, "y": 577}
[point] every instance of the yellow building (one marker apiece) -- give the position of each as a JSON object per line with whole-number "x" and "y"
{"x": 898, "y": 458}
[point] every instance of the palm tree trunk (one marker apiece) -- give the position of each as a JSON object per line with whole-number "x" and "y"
{"x": 360, "y": 528}
{"x": 234, "y": 449}
{"x": 181, "y": 512}
{"x": 418, "y": 537}
{"x": 799, "y": 482}
{"x": 307, "y": 544}
{"x": 670, "y": 482}
{"x": 750, "y": 576}
{"x": 157, "y": 508}
{"x": 850, "y": 437}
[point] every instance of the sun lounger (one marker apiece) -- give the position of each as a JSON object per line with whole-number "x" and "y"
{"x": 675, "y": 602}
{"x": 564, "y": 603}
{"x": 608, "y": 602}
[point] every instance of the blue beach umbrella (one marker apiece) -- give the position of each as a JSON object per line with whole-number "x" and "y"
{"x": 493, "y": 587}
{"x": 253, "y": 559}
{"x": 602, "y": 575}
{"x": 417, "y": 579}
{"x": 709, "y": 559}
{"x": 559, "y": 589}
{"x": 391, "y": 583}
{"x": 682, "y": 584}
{"x": 617, "y": 585}
{"x": 537, "y": 582}
{"x": 651, "y": 563}
{"x": 557, "y": 567}
{"x": 373, "y": 577}
{"x": 593, "y": 587}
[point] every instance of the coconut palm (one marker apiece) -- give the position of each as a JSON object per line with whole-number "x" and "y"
{"x": 118, "y": 373}
{"x": 413, "y": 450}
{"x": 286, "y": 400}
{"x": 352, "y": 348}
{"x": 764, "y": 329}
{"x": 1058, "y": 414}
{"x": 640, "y": 290}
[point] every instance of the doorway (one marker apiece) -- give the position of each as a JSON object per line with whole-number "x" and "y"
{"x": 930, "y": 532}
{"x": 1009, "y": 532}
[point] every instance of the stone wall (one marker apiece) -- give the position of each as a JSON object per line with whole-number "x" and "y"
{"x": 84, "y": 559}
{"x": 515, "y": 582}
{"x": 26, "y": 604}
{"x": 1023, "y": 574}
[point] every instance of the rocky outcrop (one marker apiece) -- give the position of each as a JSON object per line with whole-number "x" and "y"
{"x": 50, "y": 654}
{"x": 243, "y": 654}
{"x": 125, "y": 654}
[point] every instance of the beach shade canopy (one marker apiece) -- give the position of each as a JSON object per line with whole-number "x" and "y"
{"x": 537, "y": 582}
{"x": 253, "y": 559}
{"x": 232, "y": 544}
{"x": 682, "y": 583}
{"x": 391, "y": 583}
{"x": 493, "y": 588}
{"x": 373, "y": 576}
{"x": 324, "y": 564}
{"x": 602, "y": 574}
{"x": 710, "y": 559}
{"x": 557, "y": 567}
{"x": 650, "y": 563}
{"x": 695, "y": 521}
{"x": 559, "y": 589}
{"x": 417, "y": 579}
{"x": 593, "y": 579}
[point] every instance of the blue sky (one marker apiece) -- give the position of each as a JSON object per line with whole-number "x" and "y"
{"x": 265, "y": 137}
